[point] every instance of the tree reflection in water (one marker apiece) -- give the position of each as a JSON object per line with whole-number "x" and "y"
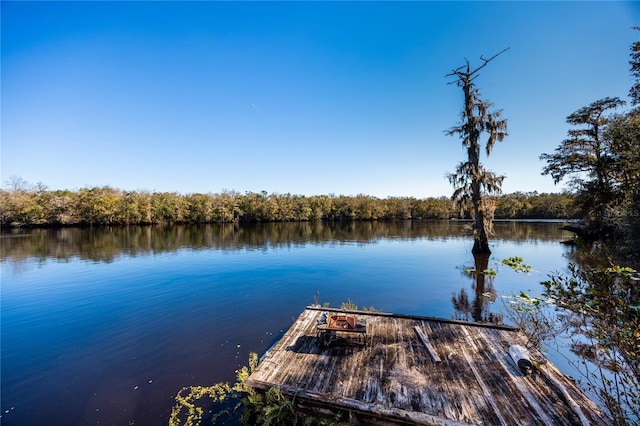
{"x": 484, "y": 293}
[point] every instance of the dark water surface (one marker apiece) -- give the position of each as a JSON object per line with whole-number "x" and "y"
{"x": 105, "y": 326}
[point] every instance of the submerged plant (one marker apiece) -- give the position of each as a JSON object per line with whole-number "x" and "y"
{"x": 534, "y": 316}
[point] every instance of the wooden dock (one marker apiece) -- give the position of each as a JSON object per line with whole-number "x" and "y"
{"x": 419, "y": 370}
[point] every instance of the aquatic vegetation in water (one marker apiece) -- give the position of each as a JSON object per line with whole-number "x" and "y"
{"x": 189, "y": 398}
{"x": 188, "y": 409}
{"x": 255, "y": 408}
{"x": 517, "y": 264}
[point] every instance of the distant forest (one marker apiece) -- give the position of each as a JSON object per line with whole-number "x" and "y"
{"x": 24, "y": 205}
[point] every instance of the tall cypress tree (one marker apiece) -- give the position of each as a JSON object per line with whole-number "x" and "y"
{"x": 471, "y": 181}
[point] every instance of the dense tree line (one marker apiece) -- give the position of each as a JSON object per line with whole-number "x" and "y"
{"x": 26, "y": 205}
{"x": 533, "y": 205}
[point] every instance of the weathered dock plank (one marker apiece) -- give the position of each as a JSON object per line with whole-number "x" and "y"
{"x": 396, "y": 376}
{"x": 427, "y": 344}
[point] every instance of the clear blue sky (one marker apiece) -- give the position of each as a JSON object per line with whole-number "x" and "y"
{"x": 300, "y": 97}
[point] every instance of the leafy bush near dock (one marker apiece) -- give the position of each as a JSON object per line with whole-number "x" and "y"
{"x": 603, "y": 319}
{"x": 597, "y": 308}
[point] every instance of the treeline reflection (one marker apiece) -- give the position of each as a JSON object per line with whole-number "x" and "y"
{"x": 104, "y": 244}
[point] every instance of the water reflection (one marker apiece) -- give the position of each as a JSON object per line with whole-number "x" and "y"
{"x": 107, "y": 244}
{"x": 112, "y": 322}
{"x": 484, "y": 294}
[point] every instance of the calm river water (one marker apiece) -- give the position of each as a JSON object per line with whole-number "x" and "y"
{"x": 105, "y": 326}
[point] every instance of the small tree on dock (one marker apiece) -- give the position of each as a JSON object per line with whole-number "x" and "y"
{"x": 472, "y": 181}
